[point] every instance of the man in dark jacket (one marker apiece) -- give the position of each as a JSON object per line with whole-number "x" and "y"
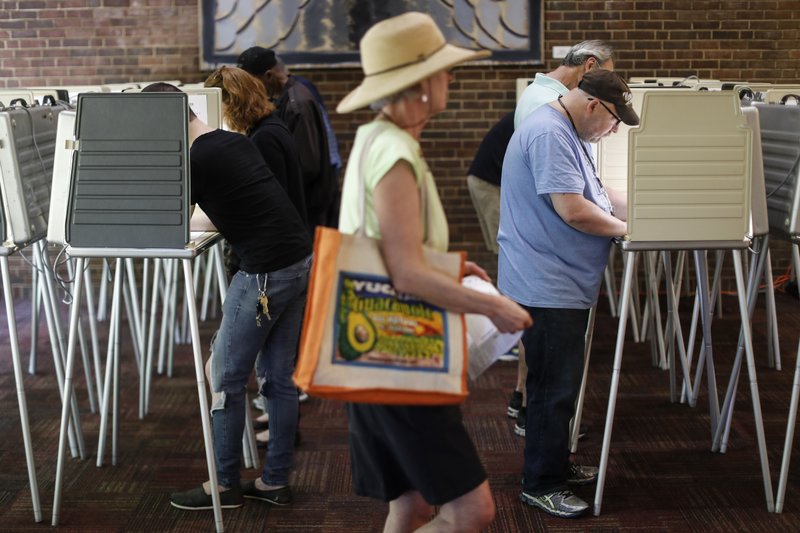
{"x": 297, "y": 107}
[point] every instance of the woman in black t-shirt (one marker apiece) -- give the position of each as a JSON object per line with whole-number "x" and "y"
{"x": 248, "y": 110}
{"x": 262, "y": 313}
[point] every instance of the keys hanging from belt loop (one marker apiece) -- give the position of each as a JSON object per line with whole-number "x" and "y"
{"x": 262, "y": 304}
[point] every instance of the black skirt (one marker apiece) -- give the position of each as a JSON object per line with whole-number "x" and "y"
{"x": 394, "y": 449}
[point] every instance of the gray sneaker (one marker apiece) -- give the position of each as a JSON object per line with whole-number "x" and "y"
{"x": 581, "y": 475}
{"x": 562, "y": 503}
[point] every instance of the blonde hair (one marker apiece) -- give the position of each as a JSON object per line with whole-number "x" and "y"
{"x": 243, "y": 96}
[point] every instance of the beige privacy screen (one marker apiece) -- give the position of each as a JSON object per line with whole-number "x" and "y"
{"x": 689, "y": 165}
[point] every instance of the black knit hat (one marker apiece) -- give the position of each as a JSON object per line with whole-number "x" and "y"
{"x": 256, "y": 60}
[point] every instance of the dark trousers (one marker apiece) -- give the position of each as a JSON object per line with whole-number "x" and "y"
{"x": 554, "y": 348}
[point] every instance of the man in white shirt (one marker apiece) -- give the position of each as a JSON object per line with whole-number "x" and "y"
{"x": 580, "y": 59}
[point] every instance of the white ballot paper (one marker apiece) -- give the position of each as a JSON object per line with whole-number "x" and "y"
{"x": 486, "y": 344}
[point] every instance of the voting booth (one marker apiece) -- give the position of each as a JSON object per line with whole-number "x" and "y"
{"x": 780, "y": 138}
{"x": 689, "y": 188}
{"x": 27, "y": 146}
{"x": 27, "y": 142}
{"x": 128, "y": 197}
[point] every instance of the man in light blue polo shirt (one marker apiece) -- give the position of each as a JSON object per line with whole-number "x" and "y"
{"x": 556, "y": 225}
{"x": 581, "y": 58}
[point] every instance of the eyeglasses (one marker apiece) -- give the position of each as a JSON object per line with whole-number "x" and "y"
{"x": 619, "y": 120}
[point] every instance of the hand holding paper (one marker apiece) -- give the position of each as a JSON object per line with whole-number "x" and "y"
{"x": 486, "y": 343}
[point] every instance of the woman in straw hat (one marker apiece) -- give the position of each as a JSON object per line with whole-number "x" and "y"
{"x": 413, "y": 457}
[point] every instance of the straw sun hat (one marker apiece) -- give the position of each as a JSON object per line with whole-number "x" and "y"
{"x": 399, "y": 52}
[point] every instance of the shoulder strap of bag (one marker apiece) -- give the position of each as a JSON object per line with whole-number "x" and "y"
{"x": 362, "y": 187}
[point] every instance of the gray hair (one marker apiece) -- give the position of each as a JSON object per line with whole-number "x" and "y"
{"x": 409, "y": 93}
{"x": 581, "y": 52}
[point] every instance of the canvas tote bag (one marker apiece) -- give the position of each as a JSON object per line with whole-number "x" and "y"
{"x": 362, "y": 341}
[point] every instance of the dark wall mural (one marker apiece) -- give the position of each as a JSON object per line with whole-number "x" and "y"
{"x": 327, "y": 32}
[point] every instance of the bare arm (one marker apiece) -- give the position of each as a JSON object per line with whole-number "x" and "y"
{"x": 396, "y": 201}
{"x": 620, "y": 202}
{"x": 585, "y": 216}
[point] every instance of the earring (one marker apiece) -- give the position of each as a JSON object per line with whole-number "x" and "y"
{"x": 424, "y": 98}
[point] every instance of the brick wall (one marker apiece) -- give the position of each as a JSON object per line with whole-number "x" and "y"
{"x": 85, "y": 42}
{"x": 46, "y": 42}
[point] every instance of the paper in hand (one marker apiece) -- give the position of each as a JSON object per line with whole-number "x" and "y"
{"x": 486, "y": 344}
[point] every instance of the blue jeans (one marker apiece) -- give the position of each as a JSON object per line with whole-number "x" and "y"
{"x": 554, "y": 348}
{"x": 271, "y": 347}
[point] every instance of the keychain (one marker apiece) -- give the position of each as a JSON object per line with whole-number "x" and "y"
{"x": 262, "y": 304}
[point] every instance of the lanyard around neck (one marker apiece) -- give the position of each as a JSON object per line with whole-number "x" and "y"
{"x": 580, "y": 141}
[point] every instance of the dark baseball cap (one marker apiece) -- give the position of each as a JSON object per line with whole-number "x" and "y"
{"x": 256, "y": 60}
{"x": 610, "y": 87}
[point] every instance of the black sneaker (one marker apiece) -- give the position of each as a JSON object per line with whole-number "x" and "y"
{"x": 514, "y": 404}
{"x": 561, "y": 503}
{"x": 281, "y": 496}
{"x": 519, "y": 425}
{"x": 581, "y": 475}
{"x": 196, "y": 499}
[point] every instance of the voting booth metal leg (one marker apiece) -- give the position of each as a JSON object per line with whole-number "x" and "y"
{"x": 654, "y": 309}
{"x": 172, "y": 326}
{"x": 92, "y": 319}
{"x": 208, "y": 283}
{"x": 102, "y": 297}
{"x": 611, "y": 287}
{"x": 67, "y": 392}
{"x": 168, "y": 300}
{"x": 690, "y": 350}
{"x": 134, "y": 314}
{"x": 790, "y": 423}
{"x": 720, "y": 443}
{"x": 36, "y": 303}
{"x": 675, "y": 327}
{"x": 636, "y": 310}
{"x": 789, "y": 442}
{"x": 21, "y": 401}
{"x": 143, "y": 297}
{"x": 201, "y": 391}
{"x": 76, "y": 443}
{"x": 675, "y": 332}
{"x": 131, "y": 311}
{"x": 772, "y": 316}
{"x": 612, "y": 395}
{"x": 712, "y": 302}
{"x": 108, "y": 386}
{"x": 151, "y": 330}
{"x": 88, "y": 367}
{"x": 575, "y": 423}
{"x": 646, "y": 326}
{"x": 751, "y": 371}
{"x": 110, "y": 389}
{"x": 706, "y": 315}
{"x": 182, "y": 335}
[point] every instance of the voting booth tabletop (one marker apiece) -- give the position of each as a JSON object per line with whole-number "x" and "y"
{"x": 662, "y": 475}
